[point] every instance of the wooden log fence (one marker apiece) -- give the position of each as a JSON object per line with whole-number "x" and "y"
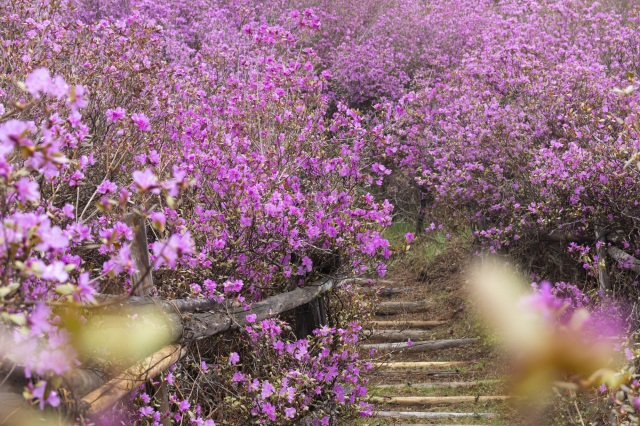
{"x": 187, "y": 325}
{"x": 185, "y": 320}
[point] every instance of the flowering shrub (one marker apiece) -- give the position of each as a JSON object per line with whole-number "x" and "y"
{"x": 229, "y": 127}
{"x": 525, "y": 134}
{"x": 246, "y": 184}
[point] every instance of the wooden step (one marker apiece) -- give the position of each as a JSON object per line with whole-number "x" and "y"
{"x": 430, "y": 424}
{"x": 369, "y": 281}
{"x": 433, "y": 385}
{"x": 433, "y": 424}
{"x": 435, "y": 400}
{"x": 390, "y": 291}
{"x": 418, "y": 365}
{"x": 413, "y": 334}
{"x": 429, "y": 415}
{"x": 392, "y": 308}
{"x": 423, "y": 346}
{"x": 406, "y": 324}
{"x": 411, "y": 373}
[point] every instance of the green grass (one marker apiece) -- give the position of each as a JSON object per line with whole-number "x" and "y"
{"x": 424, "y": 249}
{"x": 396, "y": 231}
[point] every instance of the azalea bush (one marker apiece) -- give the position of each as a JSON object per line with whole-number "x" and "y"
{"x": 528, "y": 134}
{"x": 260, "y": 143}
{"x": 247, "y": 186}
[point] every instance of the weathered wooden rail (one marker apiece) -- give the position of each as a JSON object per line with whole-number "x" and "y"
{"x": 186, "y": 320}
{"x": 183, "y": 321}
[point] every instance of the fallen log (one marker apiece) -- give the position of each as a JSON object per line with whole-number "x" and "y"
{"x": 426, "y": 346}
{"x": 418, "y": 365}
{"x": 623, "y": 258}
{"x": 407, "y": 324}
{"x": 434, "y": 400}
{"x": 399, "y": 334}
{"x": 390, "y": 308}
{"x": 429, "y": 415}
{"x": 111, "y": 392}
{"x": 434, "y": 385}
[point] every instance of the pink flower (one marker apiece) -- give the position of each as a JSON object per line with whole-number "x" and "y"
{"x": 106, "y": 187}
{"x": 146, "y": 411}
{"x": 269, "y": 410}
{"x": 365, "y": 409}
{"x": 85, "y": 291}
{"x": 169, "y": 251}
{"x": 77, "y": 98}
{"x": 158, "y": 219}
{"x": 39, "y": 392}
{"x": 251, "y": 318}
{"x": 55, "y": 361}
{"x": 55, "y": 272}
{"x": 184, "y": 405}
{"x": 141, "y": 121}
{"x": 234, "y": 358}
{"x": 13, "y": 132}
{"x": 307, "y": 264}
{"x": 289, "y": 412}
{"x": 267, "y": 389}
{"x": 409, "y": 237}
{"x": 27, "y": 190}
{"x": 38, "y": 81}
{"x": 58, "y": 87}
{"x": 628, "y": 354}
{"x": 145, "y": 180}
{"x": 114, "y": 115}
{"x": 232, "y": 286}
{"x": 68, "y": 211}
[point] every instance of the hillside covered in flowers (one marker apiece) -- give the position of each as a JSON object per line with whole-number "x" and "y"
{"x": 267, "y": 145}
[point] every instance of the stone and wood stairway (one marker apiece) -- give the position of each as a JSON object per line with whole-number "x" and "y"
{"x": 430, "y": 366}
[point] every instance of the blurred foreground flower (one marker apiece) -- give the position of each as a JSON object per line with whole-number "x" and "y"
{"x": 549, "y": 338}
